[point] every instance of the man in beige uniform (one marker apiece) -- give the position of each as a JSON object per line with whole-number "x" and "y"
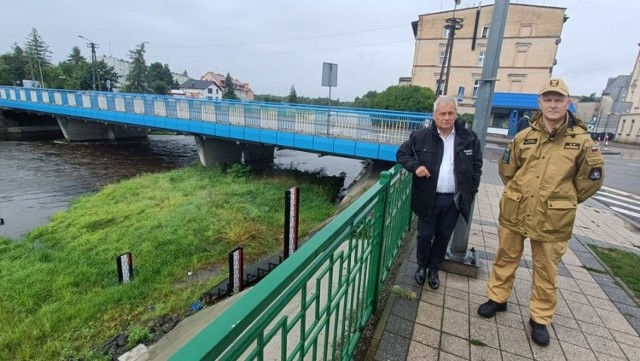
{"x": 548, "y": 169}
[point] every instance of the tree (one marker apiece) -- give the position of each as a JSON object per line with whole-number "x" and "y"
{"x": 590, "y": 98}
{"x": 230, "y": 92}
{"x": 293, "y": 96}
{"x": 366, "y": 101}
{"x": 158, "y": 74}
{"x": 410, "y": 98}
{"x": 14, "y": 65}
{"x": 137, "y": 79}
{"x": 76, "y": 57}
{"x": 38, "y": 55}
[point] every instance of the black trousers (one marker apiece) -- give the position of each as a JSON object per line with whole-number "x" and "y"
{"x": 434, "y": 232}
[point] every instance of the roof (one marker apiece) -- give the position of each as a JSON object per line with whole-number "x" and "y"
{"x": 197, "y": 84}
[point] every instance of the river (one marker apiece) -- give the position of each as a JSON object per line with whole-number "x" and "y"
{"x": 40, "y": 177}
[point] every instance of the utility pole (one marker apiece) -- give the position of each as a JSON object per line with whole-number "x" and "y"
{"x": 460, "y": 238}
{"x": 93, "y": 46}
{"x": 453, "y": 24}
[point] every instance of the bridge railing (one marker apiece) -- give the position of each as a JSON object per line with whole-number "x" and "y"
{"x": 378, "y": 126}
{"x": 315, "y": 304}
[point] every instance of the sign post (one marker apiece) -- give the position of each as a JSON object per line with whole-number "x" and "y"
{"x": 236, "y": 271}
{"x": 124, "y": 262}
{"x": 330, "y": 79}
{"x": 292, "y": 202}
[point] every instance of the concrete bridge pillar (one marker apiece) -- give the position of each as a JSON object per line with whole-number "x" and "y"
{"x": 257, "y": 155}
{"x": 218, "y": 152}
{"x": 79, "y": 130}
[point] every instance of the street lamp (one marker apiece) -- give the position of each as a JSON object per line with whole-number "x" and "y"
{"x": 93, "y": 46}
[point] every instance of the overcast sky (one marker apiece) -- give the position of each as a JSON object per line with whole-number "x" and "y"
{"x": 275, "y": 44}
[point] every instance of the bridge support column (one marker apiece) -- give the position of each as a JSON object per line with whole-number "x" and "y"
{"x": 80, "y": 130}
{"x": 257, "y": 155}
{"x": 218, "y": 152}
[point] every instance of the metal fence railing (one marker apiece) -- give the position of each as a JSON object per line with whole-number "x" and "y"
{"x": 315, "y": 305}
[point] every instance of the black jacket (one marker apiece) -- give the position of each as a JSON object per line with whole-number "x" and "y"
{"x": 425, "y": 147}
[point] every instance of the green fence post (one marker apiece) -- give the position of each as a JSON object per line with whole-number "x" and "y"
{"x": 378, "y": 246}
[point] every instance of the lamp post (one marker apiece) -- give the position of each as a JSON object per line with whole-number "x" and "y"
{"x": 93, "y": 46}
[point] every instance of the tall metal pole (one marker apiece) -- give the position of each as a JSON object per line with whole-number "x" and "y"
{"x": 486, "y": 88}
{"x": 93, "y": 47}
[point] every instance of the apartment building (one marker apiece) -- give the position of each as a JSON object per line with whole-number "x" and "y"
{"x": 242, "y": 90}
{"x": 531, "y": 39}
{"x": 628, "y": 130}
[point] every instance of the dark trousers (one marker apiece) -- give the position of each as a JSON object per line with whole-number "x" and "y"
{"x": 434, "y": 232}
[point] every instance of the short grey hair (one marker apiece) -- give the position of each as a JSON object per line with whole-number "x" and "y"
{"x": 445, "y": 99}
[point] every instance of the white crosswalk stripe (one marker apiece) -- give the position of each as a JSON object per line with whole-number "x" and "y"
{"x": 621, "y": 202}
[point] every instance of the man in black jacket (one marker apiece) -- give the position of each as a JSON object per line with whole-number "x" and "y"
{"x": 446, "y": 161}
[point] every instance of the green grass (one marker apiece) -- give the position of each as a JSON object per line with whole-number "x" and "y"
{"x": 624, "y": 265}
{"x": 59, "y": 292}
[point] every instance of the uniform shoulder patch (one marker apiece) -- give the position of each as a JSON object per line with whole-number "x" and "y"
{"x": 506, "y": 156}
{"x": 572, "y": 145}
{"x": 595, "y": 174}
{"x": 530, "y": 141}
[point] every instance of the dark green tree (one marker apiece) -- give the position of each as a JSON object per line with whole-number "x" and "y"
{"x": 38, "y": 55}
{"x": 75, "y": 57}
{"x": 13, "y": 66}
{"x": 159, "y": 73}
{"x": 230, "y": 92}
{"x": 409, "y": 98}
{"x": 137, "y": 79}
{"x": 293, "y": 96}
{"x": 366, "y": 101}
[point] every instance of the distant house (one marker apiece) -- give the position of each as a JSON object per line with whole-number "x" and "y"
{"x": 242, "y": 90}
{"x": 201, "y": 89}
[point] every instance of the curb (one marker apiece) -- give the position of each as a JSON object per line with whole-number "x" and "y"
{"x": 384, "y": 317}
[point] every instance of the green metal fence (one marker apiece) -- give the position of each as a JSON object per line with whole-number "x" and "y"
{"x": 315, "y": 304}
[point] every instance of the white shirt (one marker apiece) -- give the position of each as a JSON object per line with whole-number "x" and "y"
{"x": 446, "y": 178}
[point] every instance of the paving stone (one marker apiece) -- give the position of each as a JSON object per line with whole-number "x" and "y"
{"x": 628, "y": 311}
{"x": 420, "y": 352}
{"x": 625, "y": 338}
{"x": 604, "y": 280}
{"x": 405, "y": 308}
{"x": 483, "y": 353}
{"x": 485, "y": 331}
{"x": 455, "y": 345}
{"x": 514, "y": 340}
{"x": 571, "y": 335}
{"x": 507, "y": 356}
{"x": 553, "y": 352}
{"x": 617, "y": 295}
{"x": 433, "y": 298}
{"x": 631, "y": 352}
{"x": 392, "y": 348}
{"x": 585, "y": 313}
{"x": 399, "y": 326}
{"x": 458, "y": 282}
{"x": 444, "y": 356}
{"x": 510, "y": 318}
{"x": 565, "y": 321}
{"x": 426, "y": 335}
{"x": 591, "y": 288}
{"x": 456, "y": 323}
{"x": 574, "y": 297}
{"x": 604, "y": 345}
{"x": 463, "y": 295}
{"x": 429, "y": 315}
{"x": 615, "y": 321}
{"x": 456, "y": 304}
{"x": 577, "y": 353}
{"x": 604, "y": 304}
{"x": 595, "y": 330}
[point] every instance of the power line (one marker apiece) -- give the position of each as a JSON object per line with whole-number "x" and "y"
{"x": 281, "y": 40}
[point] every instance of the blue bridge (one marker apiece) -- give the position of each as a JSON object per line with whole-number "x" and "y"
{"x": 224, "y": 130}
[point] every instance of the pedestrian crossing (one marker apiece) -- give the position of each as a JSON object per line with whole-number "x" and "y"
{"x": 621, "y": 202}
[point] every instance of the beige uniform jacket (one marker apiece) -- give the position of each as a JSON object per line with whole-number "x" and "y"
{"x": 546, "y": 177}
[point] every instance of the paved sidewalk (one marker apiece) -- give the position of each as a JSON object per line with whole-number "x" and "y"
{"x": 595, "y": 318}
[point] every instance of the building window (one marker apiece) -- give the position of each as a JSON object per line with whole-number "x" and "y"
{"x": 209, "y": 91}
{"x": 476, "y": 86}
{"x": 485, "y": 31}
{"x": 526, "y": 30}
{"x": 481, "y": 57}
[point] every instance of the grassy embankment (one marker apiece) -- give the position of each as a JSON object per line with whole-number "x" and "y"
{"x": 623, "y": 264}
{"x": 59, "y": 291}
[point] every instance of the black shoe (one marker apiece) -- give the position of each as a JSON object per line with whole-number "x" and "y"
{"x": 421, "y": 274}
{"x": 434, "y": 280}
{"x": 539, "y": 333}
{"x": 489, "y": 308}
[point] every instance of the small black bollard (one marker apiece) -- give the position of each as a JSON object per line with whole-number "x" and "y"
{"x": 1, "y": 221}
